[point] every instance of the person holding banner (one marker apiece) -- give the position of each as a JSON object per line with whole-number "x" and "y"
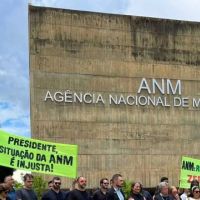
{"x": 27, "y": 193}
{"x": 195, "y": 193}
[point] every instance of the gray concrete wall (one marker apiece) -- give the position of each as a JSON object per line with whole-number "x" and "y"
{"x": 110, "y": 54}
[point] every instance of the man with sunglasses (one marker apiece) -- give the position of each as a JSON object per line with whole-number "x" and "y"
{"x": 102, "y": 193}
{"x": 54, "y": 193}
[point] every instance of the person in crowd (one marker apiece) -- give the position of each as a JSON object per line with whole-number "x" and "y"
{"x": 173, "y": 192}
{"x": 136, "y": 192}
{"x": 4, "y": 189}
{"x": 79, "y": 193}
{"x": 146, "y": 194}
{"x": 101, "y": 194}
{"x": 194, "y": 183}
{"x": 73, "y": 187}
{"x": 115, "y": 192}
{"x": 164, "y": 179}
{"x": 27, "y": 192}
{"x": 180, "y": 190}
{"x": 111, "y": 181}
{"x": 9, "y": 181}
{"x": 195, "y": 193}
{"x": 185, "y": 194}
{"x": 50, "y": 184}
{"x": 54, "y": 193}
{"x": 163, "y": 194}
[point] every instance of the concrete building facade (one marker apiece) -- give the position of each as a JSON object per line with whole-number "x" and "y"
{"x": 125, "y": 89}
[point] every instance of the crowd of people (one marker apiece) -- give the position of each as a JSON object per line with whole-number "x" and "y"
{"x": 108, "y": 190}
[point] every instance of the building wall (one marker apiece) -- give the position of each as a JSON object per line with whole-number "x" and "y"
{"x": 110, "y": 54}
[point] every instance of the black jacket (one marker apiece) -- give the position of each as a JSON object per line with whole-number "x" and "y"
{"x": 99, "y": 195}
{"x": 52, "y": 195}
{"x": 112, "y": 194}
{"x": 159, "y": 197}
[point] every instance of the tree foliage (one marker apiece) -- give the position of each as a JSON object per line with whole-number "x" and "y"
{"x": 126, "y": 188}
{"x": 18, "y": 185}
{"x": 39, "y": 185}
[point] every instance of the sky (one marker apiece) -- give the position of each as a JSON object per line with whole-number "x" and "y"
{"x": 14, "y": 51}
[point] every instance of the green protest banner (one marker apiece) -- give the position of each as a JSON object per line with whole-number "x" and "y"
{"x": 38, "y": 156}
{"x": 190, "y": 170}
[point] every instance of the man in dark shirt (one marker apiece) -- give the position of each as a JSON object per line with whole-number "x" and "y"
{"x": 10, "y": 183}
{"x": 163, "y": 192}
{"x": 50, "y": 184}
{"x": 101, "y": 194}
{"x": 54, "y": 193}
{"x": 80, "y": 192}
{"x": 26, "y": 193}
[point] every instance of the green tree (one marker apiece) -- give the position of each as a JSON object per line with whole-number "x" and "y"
{"x": 39, "y": 185}
{"x": 126, "y": 188}
{"x": 18, "y": 185}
